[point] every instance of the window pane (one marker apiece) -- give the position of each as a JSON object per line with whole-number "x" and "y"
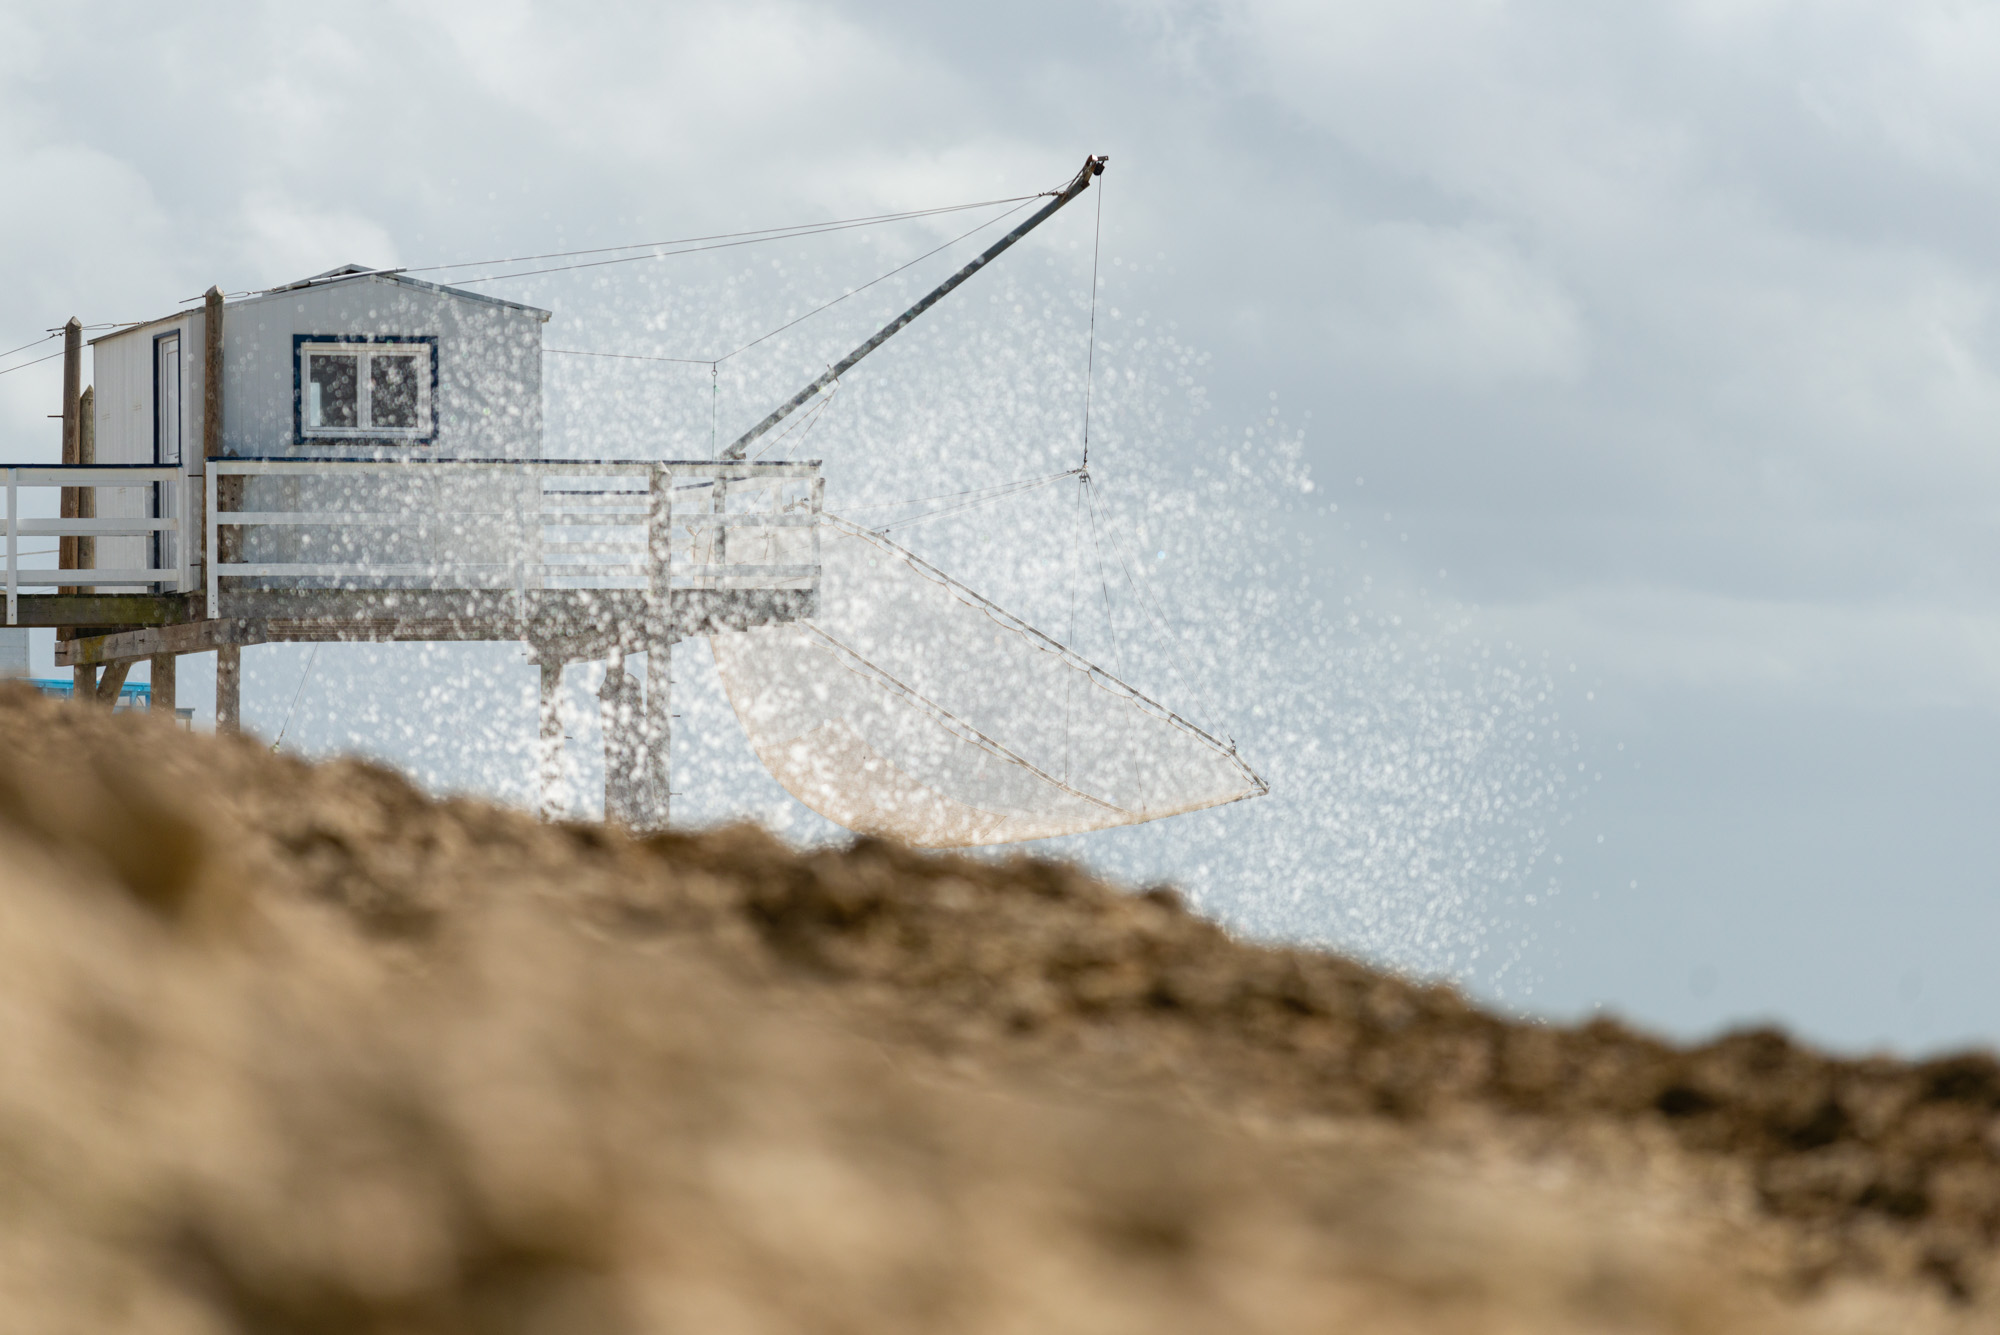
{"x": 392, "y": 390}
{"x": 332, "y": 389}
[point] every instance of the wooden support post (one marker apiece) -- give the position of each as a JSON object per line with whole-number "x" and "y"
{"x": 83, "y": 682}
{"x": 229, "y": 688}
{"x": 111, "y": 683}
{"x": 86, "y": 453}
{"x": 79, "y": 553}
{"x": 163, "y": 683}
{"x": 229, "y": 490}
{"x": 549, "y": 749}
{"x": 656, "y": 737}
{"x": 72, "y": 388}
{"x": 619, "y": 722}
{"x": 655, "y": 742}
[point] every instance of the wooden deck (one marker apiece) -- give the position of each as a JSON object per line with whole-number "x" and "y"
{"x": 571, "y": 624}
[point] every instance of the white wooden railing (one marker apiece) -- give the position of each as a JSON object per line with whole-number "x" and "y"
{"x": 524, "y": 525}
{"x": 177, "y": 577}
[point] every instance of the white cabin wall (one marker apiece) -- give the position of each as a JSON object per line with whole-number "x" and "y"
{"x": 122, "y": 371}
{"x": 124, "y": 398}
{"x": 488, "y": 405}
{"x": 489, "y": 391}
{"x": 123, "y": 383}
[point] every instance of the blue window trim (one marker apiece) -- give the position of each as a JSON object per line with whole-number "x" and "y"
{"x": 299, "y": 437}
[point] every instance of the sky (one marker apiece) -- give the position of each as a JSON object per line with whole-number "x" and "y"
{"x": 1619, "y": 373}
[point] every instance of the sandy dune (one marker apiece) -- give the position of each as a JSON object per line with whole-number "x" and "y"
{"x": 298, "y": 1049}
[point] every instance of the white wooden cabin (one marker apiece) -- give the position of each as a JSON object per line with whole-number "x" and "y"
{"x": 376, "y": 473}
{"x": 357, "y": 456}
{"x": 351, "y": 364}
{"x": 383, "y": 434}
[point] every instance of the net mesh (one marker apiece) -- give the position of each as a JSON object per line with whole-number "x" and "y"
{"x": 914, "y": 708}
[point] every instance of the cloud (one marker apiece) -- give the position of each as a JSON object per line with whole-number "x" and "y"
{"x": 1879, "y": 656}
{"x": 1447, "y": 304}
{"x": 285, "y": 239}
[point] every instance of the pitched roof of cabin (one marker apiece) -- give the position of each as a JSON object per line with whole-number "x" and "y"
{"x": 345, "y": 273}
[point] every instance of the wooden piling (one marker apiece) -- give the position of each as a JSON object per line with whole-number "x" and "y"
{"x": 86, "y": 453}
{"x": 83, "y": 680}
{"x": 658, "y": 736}
{"x": 112, "y": 682}
{"x": 229, "y": 689}
{"x": 618, "y": 722}
{"x": 229, "y": 490}
{"x": 549, "y": 757}
{"x": 72, "y": 419}
{"x": 164, "y": 666}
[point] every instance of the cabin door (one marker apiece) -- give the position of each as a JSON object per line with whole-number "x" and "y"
{"x": 166, "y": 435}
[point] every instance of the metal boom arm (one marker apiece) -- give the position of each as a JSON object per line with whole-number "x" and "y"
{"x": 1092, "y": 166}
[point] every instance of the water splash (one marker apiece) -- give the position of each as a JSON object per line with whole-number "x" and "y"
{"x": 1417, "y": 768}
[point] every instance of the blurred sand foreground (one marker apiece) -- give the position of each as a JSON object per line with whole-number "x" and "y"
{"x": 297, "y": 1049}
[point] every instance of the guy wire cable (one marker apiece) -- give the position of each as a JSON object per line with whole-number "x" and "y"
{"x": 296, "y": 696}
{"x": 954, "y": 495}
{"x": 31, "y": 343}
{"x": 37, "y": 362}
{"x": 1090, "y": 357}
{"x": 1103, "y": 584}
{"x": 1151, "y": 606}
{"x": 769, "y": 233}
{"x": 717, "y": 361}
{"x": 809, "y": 421}
{"x": 1021, "y": 490}
{"x": 871, "y": 282}
{"x": 684, "y": 250}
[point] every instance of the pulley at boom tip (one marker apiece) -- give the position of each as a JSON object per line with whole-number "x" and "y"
{"x": 1092, "y": 166}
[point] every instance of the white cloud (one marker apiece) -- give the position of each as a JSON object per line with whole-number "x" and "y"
{"x": 1448, "y": 304}
{"x": 284, "y": 239}
{"x": 1881, "y": 655}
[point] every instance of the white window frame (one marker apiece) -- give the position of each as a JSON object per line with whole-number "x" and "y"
{"x": 364, "y": 350}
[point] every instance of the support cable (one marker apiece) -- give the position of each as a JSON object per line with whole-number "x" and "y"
{"x": 1008, "y": 495}
{"x": 37, "y": 362}
{"x": 713, "y": 362}
{"x": 1103, "y": 584}
{"x": 871, "y": 282}
{"x": 684, "y": 250}
{"x": 296, "y": 696}
{"x": 969, "y": 491}
{"x": 32, "y": 343}
{"x": 1069, "y": 632}
{"x": 632, "y": 356}
{"x": 1151, "y": 605}
{"x": 808, "y": 422}
{"x": 785, "y": 233}
{"x": 657, "y": 250}
{"x": 1090, "y": 357}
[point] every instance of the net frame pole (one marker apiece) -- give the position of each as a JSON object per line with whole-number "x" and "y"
{"x": 1092, "y": 166}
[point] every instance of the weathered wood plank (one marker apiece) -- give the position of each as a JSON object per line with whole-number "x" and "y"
{"x": 104, "y": 609}
{"x": 192, "y": 637}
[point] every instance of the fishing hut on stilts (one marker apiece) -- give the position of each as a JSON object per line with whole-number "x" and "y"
{"x": 356, "y": 456}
